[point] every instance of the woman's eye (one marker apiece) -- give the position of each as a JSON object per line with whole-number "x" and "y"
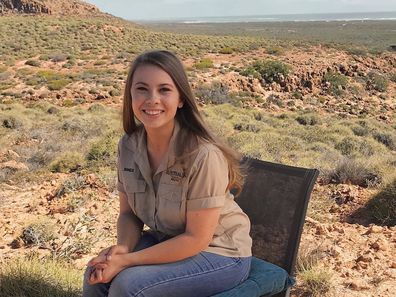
{"x": 141, "y": 88}
{"x": 164, "y": 90}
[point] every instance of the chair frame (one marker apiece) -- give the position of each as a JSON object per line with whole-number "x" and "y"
{"x": 309, "y": 177}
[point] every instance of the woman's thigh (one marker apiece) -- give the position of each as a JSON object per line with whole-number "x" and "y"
{"x": 202, "y": 275}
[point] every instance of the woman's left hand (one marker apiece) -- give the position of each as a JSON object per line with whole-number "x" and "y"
{"x": 104, "y": 270}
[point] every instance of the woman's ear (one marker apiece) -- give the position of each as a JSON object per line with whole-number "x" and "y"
{"x": 180, "y": 105}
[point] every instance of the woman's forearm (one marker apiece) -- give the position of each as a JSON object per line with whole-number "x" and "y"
{"x": 171, "y": 250}
{"x": 129, "y": 230}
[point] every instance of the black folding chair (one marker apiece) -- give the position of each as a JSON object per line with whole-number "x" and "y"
{"x": 275, "y": 197}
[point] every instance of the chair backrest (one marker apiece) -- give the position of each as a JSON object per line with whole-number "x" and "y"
{"x": 275, "y": 197}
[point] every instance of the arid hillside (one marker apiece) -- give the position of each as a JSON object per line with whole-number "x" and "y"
{"x": 50, "y": 7}
{"x": 307, "y": 104}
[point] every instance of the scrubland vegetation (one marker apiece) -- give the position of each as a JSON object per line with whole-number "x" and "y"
{"x": 61, "y": 82}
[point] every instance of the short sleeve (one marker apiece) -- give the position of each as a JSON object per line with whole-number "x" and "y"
{"x": 120, "y": 185}
{"x": 208, "y": 180}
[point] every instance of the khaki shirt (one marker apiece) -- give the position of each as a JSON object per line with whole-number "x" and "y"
{"x": 161, "y": 201}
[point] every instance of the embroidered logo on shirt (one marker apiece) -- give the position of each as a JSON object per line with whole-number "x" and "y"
{"x": 176, "y": 176}
{"x": 129, "y": 169}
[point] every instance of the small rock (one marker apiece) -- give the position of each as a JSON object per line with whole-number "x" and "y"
{"x": 321, "y": 230}
{"x": 16, "y": 243}
{"x": 357, "y": 285}
{"x": 374, "y": 229}
{"x": 380, "y": 244}
{"x": 393, "y": 265}
{"x": 364, "y": 258}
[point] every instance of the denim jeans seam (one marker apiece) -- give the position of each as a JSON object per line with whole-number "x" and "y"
{"x": 185, "y": 276}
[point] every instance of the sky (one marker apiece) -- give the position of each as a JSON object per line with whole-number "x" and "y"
{"x": 164, "y": 9}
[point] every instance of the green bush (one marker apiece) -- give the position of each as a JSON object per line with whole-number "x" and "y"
{"x": 274, "y": 50}
{"x": 226, "y": 50}
{"x": 347, "y": 146}
{"x": 351, "y": 171}
{"x": 377, "y": 82}
{"x": 33, "y": 63}
{"x": 36, "y": 277}
{"x": 39, "y": 233}
{"x": 269, "y": 70}
{"x": 67, "y": 162}
{"x": 382, "y": 206}
{"x": 309, "y": 119}
{"x": 337, "y": 82}
{"x": 57, "y": 85}
{"x": 389, "y": 140}
{"x": 104, "y": 150}
{"x": 204, "y": 64}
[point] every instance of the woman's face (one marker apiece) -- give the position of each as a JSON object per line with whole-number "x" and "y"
{"x": 155, "y": 97}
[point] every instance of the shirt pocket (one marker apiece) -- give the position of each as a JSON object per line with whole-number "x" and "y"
{"x": 135, "y": 189}
{"x": 170, "y": 192}
{"x": 170, "y": 212}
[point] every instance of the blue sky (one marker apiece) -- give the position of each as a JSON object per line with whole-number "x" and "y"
{"x": 163, "y": 9}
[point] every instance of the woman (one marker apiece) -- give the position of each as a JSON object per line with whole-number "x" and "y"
{"x": 175, "y": 177}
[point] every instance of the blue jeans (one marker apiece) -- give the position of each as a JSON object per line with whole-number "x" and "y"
{"x": 205, "y": 274}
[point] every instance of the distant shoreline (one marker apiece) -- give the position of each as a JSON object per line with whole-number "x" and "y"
{"x": 322, "y": 17}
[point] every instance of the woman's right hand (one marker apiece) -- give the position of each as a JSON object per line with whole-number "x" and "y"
{"x": 113, "y": 250}
{"x": 104, "y": 255}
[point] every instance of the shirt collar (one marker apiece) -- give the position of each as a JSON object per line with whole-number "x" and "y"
{"x": 137, "y": 143}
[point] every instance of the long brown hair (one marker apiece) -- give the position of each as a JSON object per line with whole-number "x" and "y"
{"x": 188, "y": 115}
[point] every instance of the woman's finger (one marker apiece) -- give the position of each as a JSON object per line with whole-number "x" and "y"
{"x": 101, "y": 266}
{"x": 96, "y": 260}
{"x": 99, "y": 275}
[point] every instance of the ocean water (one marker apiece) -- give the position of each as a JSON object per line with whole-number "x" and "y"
{"x": 326, "y": 17}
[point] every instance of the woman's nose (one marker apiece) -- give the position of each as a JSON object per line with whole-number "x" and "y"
{"x": 153, "y": 96}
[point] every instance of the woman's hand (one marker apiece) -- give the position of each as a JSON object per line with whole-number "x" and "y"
{"x": 101, "y": 262}
{"x": 105, "y": 271}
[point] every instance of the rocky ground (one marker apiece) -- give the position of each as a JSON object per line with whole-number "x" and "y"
{"x": 360, "y": 256}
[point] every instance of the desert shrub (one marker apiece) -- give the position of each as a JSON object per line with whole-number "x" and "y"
{"x": 67, "y": 162}
{"x": 104, "y": 150}
{"x": 58, "y": 57}
{"x": 115, "y": 92}
{"x": 40, "y": 233}
{"x": 269, "y": 70}
{"x": 377, "y": 82}
{"x": 96, "y": 108}
{"x": 359, "y": 130}
{"x": 11, "y": 123}
{"x": 354, "y": 172}
{"x": 392, "y": 77}
{"x": 337, "y": 82}
{"x": 382, "y": 206}
{"x": 347, "y": 146}
{"x": 226, "y": 50}
{"x": 54, "y": 80}
{"x": 246, "y": 127}
{"x": 204, "y": 64}
{"x": 70, "y": 185}
{"x": 215, "y": 93}
{"x": 36, "y": 277}
{"x": 274, "y": 50}
{"x": 389, "y": 140}
{"x": 58, "y": 84}
{"x": 308, "y": 119}
{"x": 33, "y": 63}
{"x": 317, "y": 281}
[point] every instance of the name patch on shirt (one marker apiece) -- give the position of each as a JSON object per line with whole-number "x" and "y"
{"x": 129, "y": 169}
